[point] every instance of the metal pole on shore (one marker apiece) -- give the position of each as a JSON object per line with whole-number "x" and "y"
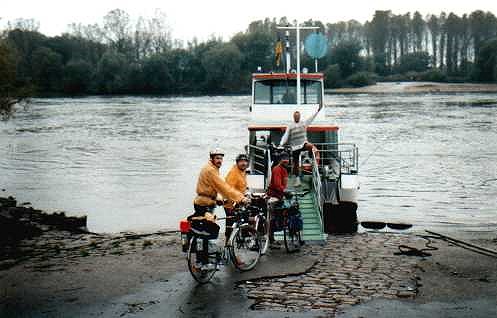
{"x": 486, "y": 250}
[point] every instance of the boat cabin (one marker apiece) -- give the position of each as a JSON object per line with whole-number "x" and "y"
{"x": 274, "y": 96}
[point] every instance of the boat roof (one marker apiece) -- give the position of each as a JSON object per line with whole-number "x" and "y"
{"x": 285, "y": 76}
{"x": 310, "y": 128}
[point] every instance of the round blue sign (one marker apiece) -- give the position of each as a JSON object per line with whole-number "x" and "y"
{"x": 316, "y": 45}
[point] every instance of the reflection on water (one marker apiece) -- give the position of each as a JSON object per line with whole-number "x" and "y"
{"x": 132, "y": 163}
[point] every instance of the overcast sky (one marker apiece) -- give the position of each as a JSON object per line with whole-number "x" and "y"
{"x": 203, "y": 18}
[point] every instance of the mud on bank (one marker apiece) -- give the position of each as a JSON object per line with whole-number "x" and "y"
{"x": 84, "y": 273}
{"x": 417, "y": 87}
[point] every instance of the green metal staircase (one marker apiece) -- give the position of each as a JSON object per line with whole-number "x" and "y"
{"x": 312, "y": 232}
{"x": 310, "y": 215}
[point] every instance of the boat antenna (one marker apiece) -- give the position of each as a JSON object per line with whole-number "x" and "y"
{"x": 297, "y": 27}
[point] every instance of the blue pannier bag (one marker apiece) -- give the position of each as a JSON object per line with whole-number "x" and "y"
{"x": 295, "y": 222}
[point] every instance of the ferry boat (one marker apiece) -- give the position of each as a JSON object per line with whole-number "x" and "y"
{"x": 330, "y": 174}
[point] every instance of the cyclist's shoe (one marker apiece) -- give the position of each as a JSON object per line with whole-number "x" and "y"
{"x": 239, "y": 261}
{"x": 220, "y": 262}
{"x": 275, "y": 245}
{"x": 255, "y": 248}
{"x": 197, "y": 267}
{"x": 208, "y": 267}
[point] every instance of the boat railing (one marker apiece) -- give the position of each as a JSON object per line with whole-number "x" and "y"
{"x": 345, "y": 155}
{"x": 260, "y": 159}
{"x": 268, "y": 169}
{"x": 318, "y": 191}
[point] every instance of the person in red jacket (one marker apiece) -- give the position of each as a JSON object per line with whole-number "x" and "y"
{"x": 276, "y": 190}
{"x": 279, "y": 178}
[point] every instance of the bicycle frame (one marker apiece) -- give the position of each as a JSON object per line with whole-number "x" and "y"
{"x": 242, "y": 249}
{"x": 225, "y": 253}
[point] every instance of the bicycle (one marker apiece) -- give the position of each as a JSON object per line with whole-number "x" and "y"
{"x": 260, "y": 220}
{"x": 290, "y": 221}
{"x": 242, "y": 248}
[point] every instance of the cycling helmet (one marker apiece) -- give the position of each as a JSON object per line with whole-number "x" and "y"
{"x": 284, "y": 156}
{"x": 216, "y": 152}
{"x": 242, "y": 156}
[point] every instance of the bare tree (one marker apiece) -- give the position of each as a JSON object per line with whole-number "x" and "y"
{"x": 160, "y": 31}
{"x": 434, "y": 27}
{"x": 24, "y": 25}
{"x": 418, "y": 30}
{"x": 92, "y": 32}
{"x": 117, "y": 27}
{"x": 142, "y": 38}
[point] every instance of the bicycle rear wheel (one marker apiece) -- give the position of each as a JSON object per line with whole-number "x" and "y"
{"x": 292, "y": 240}
{"x": 201, "y": 273}
{"x": 262, "y": 230}
{"x": 244, "y": 248}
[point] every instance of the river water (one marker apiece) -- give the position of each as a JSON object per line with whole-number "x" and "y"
{"x": 131, "y": 163}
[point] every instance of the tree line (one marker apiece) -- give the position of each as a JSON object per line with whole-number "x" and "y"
{"x": 122, "y": 55}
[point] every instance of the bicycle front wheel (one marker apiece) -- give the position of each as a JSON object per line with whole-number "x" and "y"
{"x": 262, "y": 230}
{"x": 202, "y": 269}
{"x": 292, "y": 240}
{"x": 244, "y": 248}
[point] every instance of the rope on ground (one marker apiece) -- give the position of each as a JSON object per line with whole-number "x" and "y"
{"x": 413, "y": 251}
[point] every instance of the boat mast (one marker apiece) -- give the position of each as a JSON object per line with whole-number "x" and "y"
{"x": 287, "y": 53}
{"x": 297, "y": 28}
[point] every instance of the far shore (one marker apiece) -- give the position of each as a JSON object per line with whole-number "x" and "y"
{"x": 417, "y": 87}
{"x": 379, "y": 88}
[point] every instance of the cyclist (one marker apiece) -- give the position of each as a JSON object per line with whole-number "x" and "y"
{"x": 209, "y": 185}
{"x": 236, "y": 178}
{"x": 276, "y": 190}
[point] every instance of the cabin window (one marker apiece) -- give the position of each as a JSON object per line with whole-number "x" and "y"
{"x": 285, "y": 92}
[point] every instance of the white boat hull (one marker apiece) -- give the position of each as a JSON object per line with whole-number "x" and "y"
{"x": 349, "y": 188}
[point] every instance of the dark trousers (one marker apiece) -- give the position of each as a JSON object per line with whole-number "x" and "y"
{"x": 200, "y": 210}
{"x": 295, "y": 157}
{"x": 229, "y": 222}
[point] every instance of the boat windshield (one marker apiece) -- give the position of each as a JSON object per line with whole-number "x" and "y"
{"x": 285, "y": 92}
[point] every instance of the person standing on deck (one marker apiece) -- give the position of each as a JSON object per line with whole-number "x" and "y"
{"x": 296, "y": 137}
{"x": 236, "y": 178}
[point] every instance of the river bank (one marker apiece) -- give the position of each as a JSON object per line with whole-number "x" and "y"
{"x": 145, "y": 274}
{"x": 453, "y": 282}
{"x": 72, "y": 272}
{"x": 417, "y": 87}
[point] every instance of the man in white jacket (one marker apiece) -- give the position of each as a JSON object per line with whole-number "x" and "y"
{"x": 296, "y": 137}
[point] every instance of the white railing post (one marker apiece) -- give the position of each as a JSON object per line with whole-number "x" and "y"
{"x": 269, "y": 171}
{"x": 317, "y": 189}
